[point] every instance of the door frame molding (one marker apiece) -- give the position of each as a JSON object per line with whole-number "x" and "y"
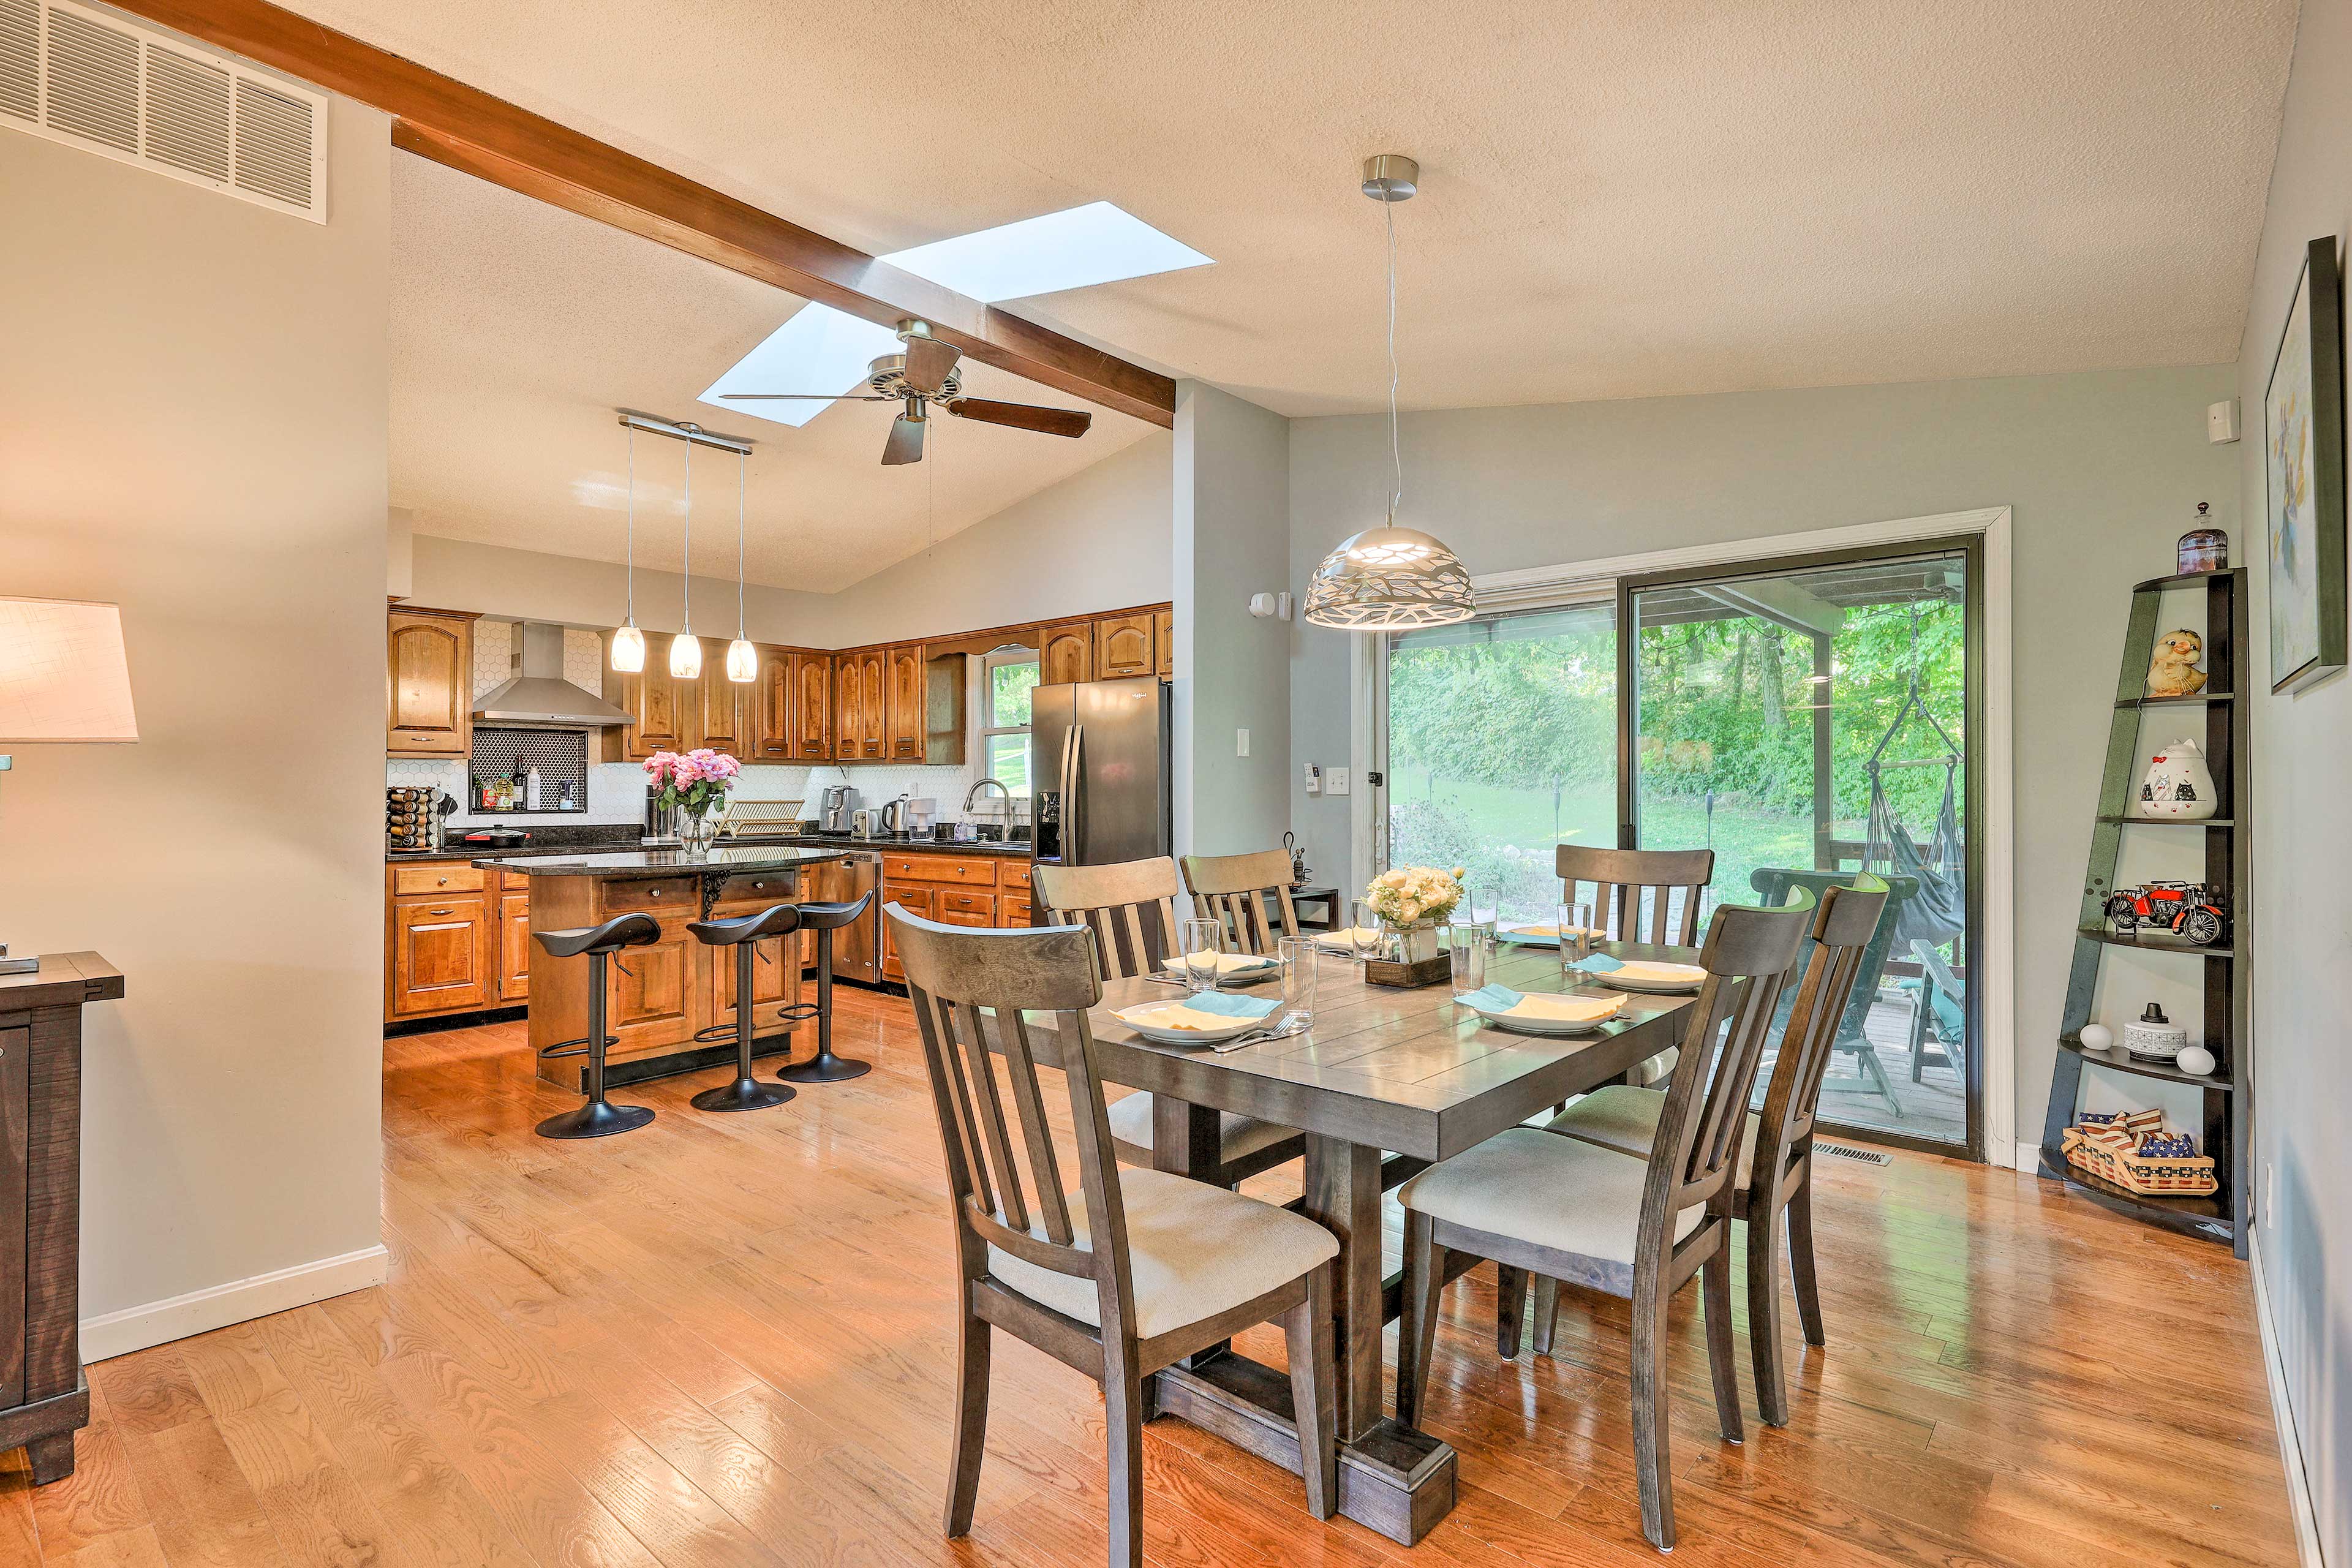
{"x": 1536, "y": 586}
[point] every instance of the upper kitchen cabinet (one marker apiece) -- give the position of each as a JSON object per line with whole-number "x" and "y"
{"x": 1124, "y": 645}
{"x": 428, "y": 683}
{"x": 725, "y": 710}
{"x": 905, "y": 710}
{"x": 662, "y": 711}
{"x": 873, "y": 705}
{"x": 773, "y": 734}
{"x": 1163, "y": 642}
{"x": 1066, "y": 653}
{"x": 943, "y": 710}
{"x": 848, "y": 707}
{"x": 812, "y": 706}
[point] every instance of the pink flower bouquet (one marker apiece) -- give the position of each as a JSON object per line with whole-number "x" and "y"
{"x": 698, "y": 780}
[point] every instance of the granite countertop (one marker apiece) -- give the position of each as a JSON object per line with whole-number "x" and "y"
{"x": 624, "y": 840}
{"x": 669, "y": 862}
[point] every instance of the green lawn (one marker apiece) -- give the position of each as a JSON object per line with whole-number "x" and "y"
{"x": 1505, "y": 837}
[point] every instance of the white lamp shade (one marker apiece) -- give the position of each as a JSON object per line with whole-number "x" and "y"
{"x": 743, "y": 662}
{"x": 629, "y": 649}
{"x": 62, "y": 672}
{"x": 685, "y": 656}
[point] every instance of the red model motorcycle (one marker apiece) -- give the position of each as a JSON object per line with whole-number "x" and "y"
{"x": 2187, "y": 910}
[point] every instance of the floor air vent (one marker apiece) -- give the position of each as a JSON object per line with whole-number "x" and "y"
{"x": 1843, "y": 1151}
{"x": 89, "y": 79}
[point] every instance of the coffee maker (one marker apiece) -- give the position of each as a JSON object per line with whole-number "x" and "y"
{"x": 835, "y": 808}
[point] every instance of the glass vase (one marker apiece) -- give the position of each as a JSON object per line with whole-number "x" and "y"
{"x": 697, "y": 830}
{"x": 1415, "y": 941}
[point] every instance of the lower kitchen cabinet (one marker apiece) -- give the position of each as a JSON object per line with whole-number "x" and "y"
{"x": 650, "y": 992}
{"x": 514, "y": 947}
{"x": 440, "y": 962}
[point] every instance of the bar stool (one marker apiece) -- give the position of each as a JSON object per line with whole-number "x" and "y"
{"x": 597, "y": 1118}
{"x": 824, "y": 1067}
{"x": 744, "y": 934}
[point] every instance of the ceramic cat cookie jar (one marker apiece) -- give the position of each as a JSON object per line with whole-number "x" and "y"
{"x": 2178, "y": 785}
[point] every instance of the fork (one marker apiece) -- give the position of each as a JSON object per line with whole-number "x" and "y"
{"x": 1290, "y": 1024}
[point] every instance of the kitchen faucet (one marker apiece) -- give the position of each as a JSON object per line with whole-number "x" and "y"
{"x": 997, "y": 785}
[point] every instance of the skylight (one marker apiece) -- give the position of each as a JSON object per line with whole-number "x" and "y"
{"x": 1074, "y": 249}
{"x": 821, "y": 349}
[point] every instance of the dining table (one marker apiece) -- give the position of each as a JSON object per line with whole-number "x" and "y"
{"x": 1385, "y": 1083}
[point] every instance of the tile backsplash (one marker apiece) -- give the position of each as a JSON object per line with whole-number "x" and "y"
{"x": 616, "y": 791}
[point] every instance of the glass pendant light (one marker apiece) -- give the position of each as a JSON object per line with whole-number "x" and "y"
{"x": 685, "y": 652}
{"x": 1391, "y": 578}
{"x": 742, "y": 658}
{"x": 628, "y": 643}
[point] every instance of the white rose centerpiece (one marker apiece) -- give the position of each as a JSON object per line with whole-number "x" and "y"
{"x": 1413, "y": 901}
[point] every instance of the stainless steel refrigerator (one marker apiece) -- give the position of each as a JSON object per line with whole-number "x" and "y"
{"x": 1099, "y": 771}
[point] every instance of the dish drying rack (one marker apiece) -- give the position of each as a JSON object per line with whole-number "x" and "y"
{"x": 760, "y": 818}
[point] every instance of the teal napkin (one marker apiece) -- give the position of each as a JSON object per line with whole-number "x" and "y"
{"x": 1491, "y": 998}
{"x": 1226, "y": 1005}
{"x": 1598, "y": 963}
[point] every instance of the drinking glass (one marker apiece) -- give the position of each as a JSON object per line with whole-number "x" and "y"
{"x": 1297, "y": 956}
{"x": 1465, "y": 945}
{"x": 1366, "y": 935}
{"x": 1575, "y": 933}
{"x": 1198, "y": 943}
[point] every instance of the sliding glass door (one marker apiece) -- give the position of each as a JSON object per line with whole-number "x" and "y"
{"x": 1806, "y": 718}
{"x": 1809, "y": 721}
{"x": 1502, "y": 742}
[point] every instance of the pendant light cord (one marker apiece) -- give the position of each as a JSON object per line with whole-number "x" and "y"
{"x": 629, "y": 594}
{"x": 1396, "y": 448}
{"x": 742, "y": 462}
{"x": 688, "y": 602}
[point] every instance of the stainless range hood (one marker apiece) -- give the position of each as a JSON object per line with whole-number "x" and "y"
{"x": 537, "y": 694}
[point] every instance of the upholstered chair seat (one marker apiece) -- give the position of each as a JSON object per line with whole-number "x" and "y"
{"x": 1626, "y": 1120}
{"x": 1559, "y": 1192}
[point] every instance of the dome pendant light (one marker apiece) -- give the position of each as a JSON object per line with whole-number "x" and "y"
{"x": 685, "y": 652}
{"x": 742, "y": 658}
{"x": 1391, "y": 578}
{"x": 628, "y": 642}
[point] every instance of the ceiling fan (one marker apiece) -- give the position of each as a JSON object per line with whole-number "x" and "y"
{"x": 923, "y": 378}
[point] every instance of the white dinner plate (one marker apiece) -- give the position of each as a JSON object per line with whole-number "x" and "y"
{"x": 1527, "y": 1024}
{"x": 1232, "y": 968}
{"x": 1658, "y": 979}
{"x": 1138, "y": 1018}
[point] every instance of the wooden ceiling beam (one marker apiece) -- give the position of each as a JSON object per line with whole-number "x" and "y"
{"x": 441, "y": 117}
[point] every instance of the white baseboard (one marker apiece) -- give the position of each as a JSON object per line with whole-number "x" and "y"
{"x": 2298, "y": 1479}
{"x": 158, "y": 1322}
{"x": 2026, "y": 1157}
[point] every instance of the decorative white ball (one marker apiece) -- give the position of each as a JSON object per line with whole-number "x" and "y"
{"x": 2097, "y": 1037}
{"x": 2196, "y": 1059}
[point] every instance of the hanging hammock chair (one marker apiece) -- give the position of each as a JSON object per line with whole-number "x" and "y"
{"x": 1939, "y": 911}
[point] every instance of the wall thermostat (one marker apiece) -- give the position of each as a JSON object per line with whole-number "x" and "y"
{"x": 2221, "y": 421}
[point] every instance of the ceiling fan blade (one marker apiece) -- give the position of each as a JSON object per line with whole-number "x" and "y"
{"x": 928, "y": 363}
{"x": 806, "y": 397}
{"x": 906, "y": 442}
{"x": 1023, "y": 417}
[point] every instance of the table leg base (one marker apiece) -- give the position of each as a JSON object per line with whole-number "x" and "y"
{"x": 1392, "y": 1479}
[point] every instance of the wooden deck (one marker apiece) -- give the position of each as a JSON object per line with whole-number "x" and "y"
{"x": 1935, "y": 1107}
{"x": 723, "y": 1341}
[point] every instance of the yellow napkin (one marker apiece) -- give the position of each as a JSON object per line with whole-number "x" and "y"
{"x": 1176, "y": 1015}
{"x": 1353, "y": 936}
{"x": 1555, "y": 1009}
{"x": 1227, "y": 963}
{"x": 1655, "y": 973}
{"x": 1552, "y": 930}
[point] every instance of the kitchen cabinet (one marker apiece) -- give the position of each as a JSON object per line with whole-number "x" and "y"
{"x": 649, "y": 999}
{"x": 905, "y": 706}
{"x": 915, "y": 900}
{"x": 442, "y": 955}
{"x": 723, "y": 711}
{"x": 774, "y": 732}
{"x": 1163, "y": 642}
{"x": 1066, "y": 653}
{"x": 664, "y": 712}
{"x": 811, "y": 706}
{"x": 775, "y": 979}
{"x": 428, "y": 683}
{"x": 943, "y": 710}
{"x": 873, "y": 687}
{"x": 1123, "y": 646}
{"x": 848, "y": 707}
{"x": 514, "y": 946}
{"x": 954, "y": 889}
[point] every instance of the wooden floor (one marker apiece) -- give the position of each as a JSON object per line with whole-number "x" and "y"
{"x": 724, "y": 1341}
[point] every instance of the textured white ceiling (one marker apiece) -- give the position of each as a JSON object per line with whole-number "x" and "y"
{"x": 1619, "y": 199}
{"x": 518, "y": 329}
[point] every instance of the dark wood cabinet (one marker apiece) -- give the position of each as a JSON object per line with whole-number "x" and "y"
{"x": 1123, "y": 646}
{"x": 43, "y": 1399}
{"x": 1066, "y": 653}
{"x": 812, "y": 706}
{"x": 906, "y": 708}
{"x": 428, "y": 684}
{"x": 662, "y": 711}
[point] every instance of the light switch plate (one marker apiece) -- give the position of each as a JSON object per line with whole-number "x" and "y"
{"x": 1241, "y": 742}
{"x": 1314, "y": 779}
{"x": 1339, "y": 780}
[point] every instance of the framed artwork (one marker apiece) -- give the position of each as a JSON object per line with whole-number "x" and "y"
{"x": 2303, "y": 436}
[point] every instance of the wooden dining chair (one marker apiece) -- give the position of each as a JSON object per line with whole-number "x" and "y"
{"x": 1566, "y": 1209}
{"x": 1130, "y": 911}
{"x": 1622, "y": 878}
{"x": 1234, "y": 888}
{"x": 1132, "y": 1271}
{"x": 1773, "y": 1175}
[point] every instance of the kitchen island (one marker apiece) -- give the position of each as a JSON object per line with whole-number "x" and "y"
{"x": 671, "y": 1004}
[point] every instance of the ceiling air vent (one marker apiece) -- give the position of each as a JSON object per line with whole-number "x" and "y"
{"x": 89, "y": 79}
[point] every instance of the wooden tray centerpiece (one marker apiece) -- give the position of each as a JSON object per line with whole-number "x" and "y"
{"x": 1413, "y": 902}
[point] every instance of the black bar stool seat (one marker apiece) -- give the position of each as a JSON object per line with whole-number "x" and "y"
{"x": 824, "y": 918}
{"x": 598, "y": 1118}
{"x": 744, "y": 934}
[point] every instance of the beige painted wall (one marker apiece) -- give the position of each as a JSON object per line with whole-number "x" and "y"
{"x": 2102, "y": 471}
{"x": 2303, "y": 844}
{"x": 193, "y": 424}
